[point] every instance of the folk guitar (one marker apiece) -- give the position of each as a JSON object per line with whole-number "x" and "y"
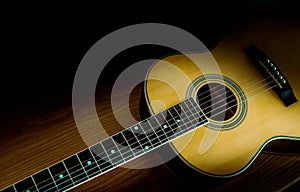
{"x": 217, "y": 123}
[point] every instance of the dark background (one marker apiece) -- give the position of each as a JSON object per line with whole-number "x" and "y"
{"x": 43, "y": 44}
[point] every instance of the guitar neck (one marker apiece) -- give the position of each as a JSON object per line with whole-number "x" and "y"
{"x": 116, "y": 150}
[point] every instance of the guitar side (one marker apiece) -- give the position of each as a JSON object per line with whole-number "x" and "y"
{"x": 229, "y": 152}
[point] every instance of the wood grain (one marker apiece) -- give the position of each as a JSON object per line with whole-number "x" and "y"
{"x": 35, "y": 141}
{"x": 47, "y": 134}
{"x": 267, "y": 118}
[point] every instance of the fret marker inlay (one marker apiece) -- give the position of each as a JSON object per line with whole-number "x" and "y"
{"x": 61, "y": 176}
{"x": 113, "y": 151}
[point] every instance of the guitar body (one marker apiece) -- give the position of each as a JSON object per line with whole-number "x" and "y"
{"x": 262, "y": 118}
{"x": 252, "y": 115}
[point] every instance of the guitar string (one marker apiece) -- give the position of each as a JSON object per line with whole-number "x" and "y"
{"x": 92, "y": 168}
{"x": 171, "y": 130}
{"x": 91, "y": 159}
{"x": 220, "y": 85}
{"x": 251, "y": 96}
{"x": 269, "y": 88}
{"x": 225, "y": 93}
{"x": 211, "y": 89}
{"x": 224, "y": 100}
{"x": 226, "y": 97}
{"x": 89, "y": 170}
{"x": 115, "y": 157}
{"x": 113, "y": 166}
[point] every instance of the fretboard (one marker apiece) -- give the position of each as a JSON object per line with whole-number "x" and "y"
{"x": 116, "y": 150}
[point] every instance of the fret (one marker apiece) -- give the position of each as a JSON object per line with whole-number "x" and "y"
{"x": 158, "y": 127}
{"x": 172, "y": 124}
{"x": 123, "y": 146}
{"x": 82, "y": 166}
{"x": 176, "y": 111}
{"x": 67, "y": 171}
{"x": 178, "y": 114}
{"x": 95, "y": 160}
{"x": 185, "y": 122}
{"x": 52, "y": 179}
{"x": 142, "y": 138}
{"x": 35, "y": 184}
{"x": 26, "y": 185}
{"x": 150, "y": 132}
{"x": 132, "y": 141}
{"x": 89, "y": 164}
{"x": 118, "y": 148}
{"x": 10, "y": 189}
{"x": 176, "y": 120}
{"x": 192, "y": 114}
{"x": 161, "y": 117}
{"x": 197, "y": 112}
{"x": 155, "y": 137}
{"x": 101, "y": 157}
{"x": 187, "y": 118}
{"x": 75, "y": 169}
{"x": 192, "y": 117}
{"x": 61, "y": 176}
{"x": 107, "y": 154}
{"x": 44, "y": 181}
{"x": 112, "y": 151}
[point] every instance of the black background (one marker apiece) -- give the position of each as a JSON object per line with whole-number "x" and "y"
{"x": 43, "y": 44}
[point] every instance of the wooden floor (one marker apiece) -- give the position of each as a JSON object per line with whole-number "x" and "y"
{"x": 47, "y": 133}
{"x": 41, "y": 137}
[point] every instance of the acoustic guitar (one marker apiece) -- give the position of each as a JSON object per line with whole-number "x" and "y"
{"x": 217, "y": 122}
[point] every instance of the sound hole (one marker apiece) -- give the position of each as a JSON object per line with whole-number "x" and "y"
{"x": 217, "y": 101}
